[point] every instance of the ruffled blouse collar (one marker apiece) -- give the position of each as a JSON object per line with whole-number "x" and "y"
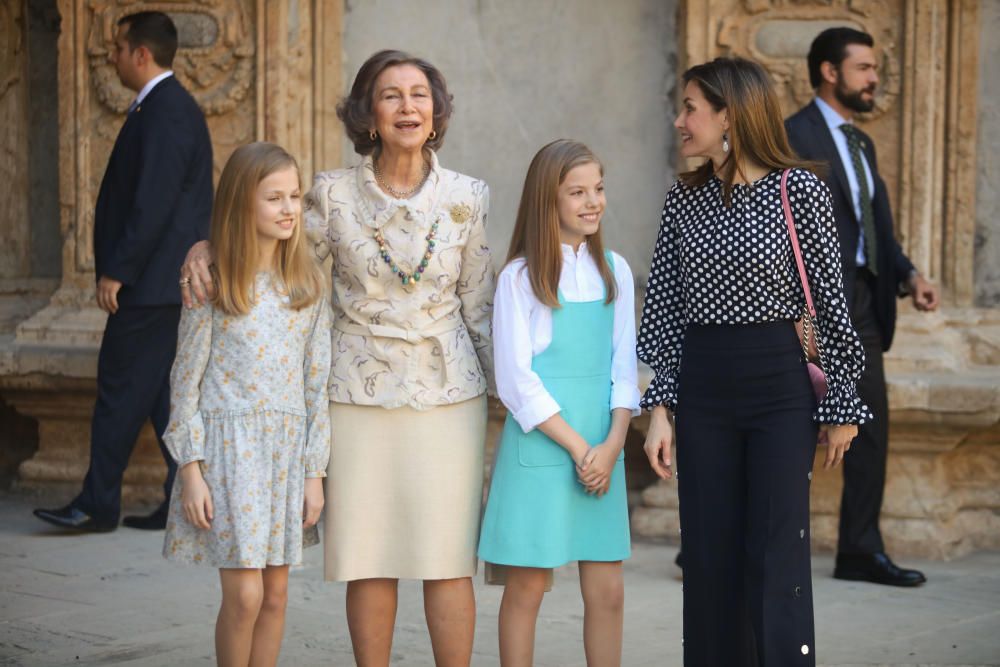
{"x": 379, "y": 207}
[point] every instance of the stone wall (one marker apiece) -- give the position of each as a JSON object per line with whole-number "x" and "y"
{"x": 988, "y": 184}
{"x": 942, "y": 495}
{"x": 43, "y": 155}
{"x": 524, "y": 73}
{"x": 259, "y": 70}
{"x": 15, "y": 238}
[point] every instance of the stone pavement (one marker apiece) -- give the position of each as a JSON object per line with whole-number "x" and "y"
{"x": 112, "y": 600}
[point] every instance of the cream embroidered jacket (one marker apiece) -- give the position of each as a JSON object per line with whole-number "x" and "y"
{"x": 420, "y": 345}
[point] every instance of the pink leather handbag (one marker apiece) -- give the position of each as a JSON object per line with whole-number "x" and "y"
{"x": 806, "y": 327}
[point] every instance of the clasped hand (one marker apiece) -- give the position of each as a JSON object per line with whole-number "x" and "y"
{"x": 594, "y": 467}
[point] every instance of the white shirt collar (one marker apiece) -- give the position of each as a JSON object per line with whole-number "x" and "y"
{"x": 150, "y": 85}
{"x": 832, "y": 118}
{"x": 567, "y": 250}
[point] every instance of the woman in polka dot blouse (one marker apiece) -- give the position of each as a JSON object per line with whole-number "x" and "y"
{"x": 718, "y": 329}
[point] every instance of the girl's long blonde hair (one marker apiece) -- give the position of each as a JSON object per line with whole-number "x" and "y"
{"x": 536, "y": 231}
{"x": 234, "y": 234}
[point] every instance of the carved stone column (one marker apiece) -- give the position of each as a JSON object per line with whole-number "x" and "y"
{"x": 260, "y": 70}
{"x": 14, "y": 237}
{"x": 942, "y": 492}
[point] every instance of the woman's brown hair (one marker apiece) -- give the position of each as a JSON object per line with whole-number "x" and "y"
{"x": 756, "y": 127}
{"x": 356, "y": 110}
{"x": 536, "y": 231}
{"x": 234, "y": 234}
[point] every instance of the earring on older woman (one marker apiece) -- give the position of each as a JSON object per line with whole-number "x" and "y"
{"x": 433, "y": 135}
{"x": 725, "y": 143}
{"x": 372, "y": 135}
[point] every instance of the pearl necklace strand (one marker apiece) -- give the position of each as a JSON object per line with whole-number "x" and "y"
{"x": 399, "y": 194}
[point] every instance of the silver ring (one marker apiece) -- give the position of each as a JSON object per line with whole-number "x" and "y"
{"x": 184, "y": 281}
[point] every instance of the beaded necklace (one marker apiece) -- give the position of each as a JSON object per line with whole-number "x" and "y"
{"x": 383, "y": 248}
{"x": 407, "y": 278}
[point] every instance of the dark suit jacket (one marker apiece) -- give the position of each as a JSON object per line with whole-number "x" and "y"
{"x": 811, "y": 139}
{"x": 155, "y": 200}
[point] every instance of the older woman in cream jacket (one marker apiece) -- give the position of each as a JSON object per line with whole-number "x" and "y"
{"x": 412, "y": 289}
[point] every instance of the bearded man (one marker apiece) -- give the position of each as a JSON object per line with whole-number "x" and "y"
{"x": 843, "y": 70}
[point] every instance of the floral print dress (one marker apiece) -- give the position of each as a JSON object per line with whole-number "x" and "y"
{"x": 248, "y": 401}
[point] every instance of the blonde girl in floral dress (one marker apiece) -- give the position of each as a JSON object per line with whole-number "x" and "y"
{"x": 249, "y": 421}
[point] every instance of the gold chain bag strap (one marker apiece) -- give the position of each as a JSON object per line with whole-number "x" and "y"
{"x": 806, "y": 327}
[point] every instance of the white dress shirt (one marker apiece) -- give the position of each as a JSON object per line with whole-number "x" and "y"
{"x": 834, "y": 120}
{"x": 149, "y": 86}
{"x": 522, "y": 328}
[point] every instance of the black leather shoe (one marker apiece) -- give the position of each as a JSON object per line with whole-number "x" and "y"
{"x": 155, "y": 521}
{"x": 71, "y": 518}
{"x": 876, "y": 568}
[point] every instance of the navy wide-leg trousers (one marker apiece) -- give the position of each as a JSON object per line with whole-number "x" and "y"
{"x": 745, "y": 447}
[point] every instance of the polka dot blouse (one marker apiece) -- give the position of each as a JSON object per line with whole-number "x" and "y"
{"x": 719, "y": 265}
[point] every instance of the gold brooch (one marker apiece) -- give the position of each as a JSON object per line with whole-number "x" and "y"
{"x": 460, "y": 213}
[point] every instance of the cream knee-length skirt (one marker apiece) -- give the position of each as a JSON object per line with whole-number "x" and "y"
{"x": 404, "y": 491}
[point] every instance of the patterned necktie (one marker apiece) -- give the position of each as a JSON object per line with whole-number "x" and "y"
{"x": 867, "y": 213}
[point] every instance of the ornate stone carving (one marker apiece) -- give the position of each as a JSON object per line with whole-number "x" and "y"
{"x": 260, "y": 70}
{"x": 215, "y": 60}
{"x": 15, "y": 230}
{"x": 777, "y": 34}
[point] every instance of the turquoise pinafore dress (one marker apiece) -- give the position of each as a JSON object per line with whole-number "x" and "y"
{"x": 537, "y": 513}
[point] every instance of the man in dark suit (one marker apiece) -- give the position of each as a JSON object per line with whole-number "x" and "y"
{"x": 155, "y": 202}
{"x": 844, "y": 72}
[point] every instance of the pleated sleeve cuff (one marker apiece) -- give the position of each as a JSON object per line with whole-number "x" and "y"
{"x": 841, "y": 405}
{"x": 662, "y": 391}
{"x": 186, "y": 440}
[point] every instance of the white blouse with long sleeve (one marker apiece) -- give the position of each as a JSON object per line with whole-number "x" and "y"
{"x": 522, "y": 328}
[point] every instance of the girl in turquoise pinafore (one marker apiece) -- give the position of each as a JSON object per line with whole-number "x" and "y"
{"x": 564, "y": 348}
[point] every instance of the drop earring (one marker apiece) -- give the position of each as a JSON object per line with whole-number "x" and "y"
{"x": 725, "y": 142}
